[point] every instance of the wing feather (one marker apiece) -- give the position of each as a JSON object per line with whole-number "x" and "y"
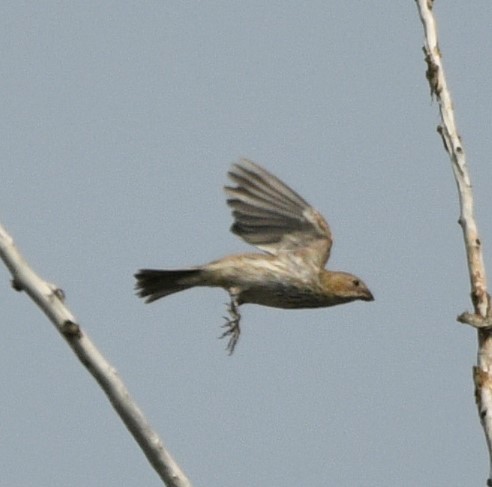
{"x": 273, "y": 217}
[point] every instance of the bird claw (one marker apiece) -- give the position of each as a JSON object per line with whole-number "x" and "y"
{"x": 232, "y": 324}
{"x": 233, "y": 331}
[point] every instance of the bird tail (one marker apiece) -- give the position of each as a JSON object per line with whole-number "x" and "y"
{"x": 154, "y": 284}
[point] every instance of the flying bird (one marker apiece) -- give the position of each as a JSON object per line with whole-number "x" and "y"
{"x": 290, "y": 272}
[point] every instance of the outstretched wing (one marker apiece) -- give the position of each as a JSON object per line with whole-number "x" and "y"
{"x": 274, "y": 218}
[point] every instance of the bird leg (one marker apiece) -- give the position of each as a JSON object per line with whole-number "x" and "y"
{"x": 232, "y": 322}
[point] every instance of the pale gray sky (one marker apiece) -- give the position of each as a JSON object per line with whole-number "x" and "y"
{"x": 119, "y": 121}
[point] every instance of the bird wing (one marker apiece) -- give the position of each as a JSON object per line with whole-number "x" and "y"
{"x": 273, "y": 217}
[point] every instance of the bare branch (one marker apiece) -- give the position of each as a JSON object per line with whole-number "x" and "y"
{"x": 51, "y": 300}
{"x": 481, "y": 318}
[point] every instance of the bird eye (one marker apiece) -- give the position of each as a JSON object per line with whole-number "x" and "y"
{"x": 356, "y": 283}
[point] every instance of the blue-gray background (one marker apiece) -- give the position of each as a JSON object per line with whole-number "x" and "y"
{"x": 118, "y": 124}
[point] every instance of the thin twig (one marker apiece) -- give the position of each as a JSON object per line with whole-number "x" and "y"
{"x": 51, "y": 300}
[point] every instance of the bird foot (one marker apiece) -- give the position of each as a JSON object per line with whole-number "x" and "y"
{"x": 233, "y": 330}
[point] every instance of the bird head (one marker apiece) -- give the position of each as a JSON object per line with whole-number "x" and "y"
{"x": 345, "y": 287}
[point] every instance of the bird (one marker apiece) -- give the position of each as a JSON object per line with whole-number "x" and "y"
{"x": 295, "y": 243}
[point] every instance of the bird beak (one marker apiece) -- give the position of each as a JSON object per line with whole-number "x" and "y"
{"x": 368, "y": 296}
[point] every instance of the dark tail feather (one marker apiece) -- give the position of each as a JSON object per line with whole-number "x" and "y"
{"x": 154, "y": 284}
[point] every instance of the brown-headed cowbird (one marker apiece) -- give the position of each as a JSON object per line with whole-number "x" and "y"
{"x": 290, "y": 274}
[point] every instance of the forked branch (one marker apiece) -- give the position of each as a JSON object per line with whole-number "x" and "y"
{"x": 481, "y": 318}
